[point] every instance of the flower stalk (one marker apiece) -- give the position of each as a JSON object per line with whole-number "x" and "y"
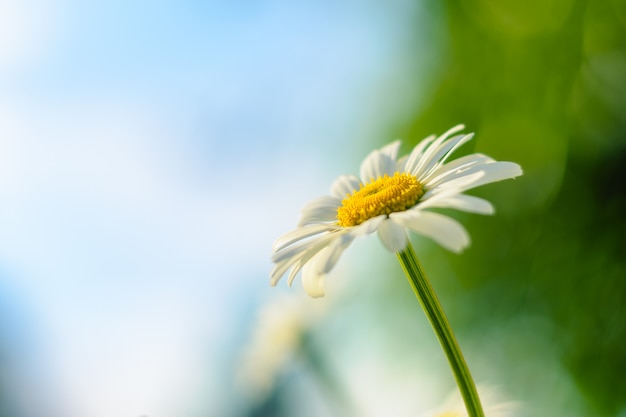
{"x": 437, "y": 317}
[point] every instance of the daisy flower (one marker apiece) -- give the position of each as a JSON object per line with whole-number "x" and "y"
{"x": 391, "y": 196}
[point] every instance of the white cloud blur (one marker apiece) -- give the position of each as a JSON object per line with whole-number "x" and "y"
{"x": 26, "y": 28}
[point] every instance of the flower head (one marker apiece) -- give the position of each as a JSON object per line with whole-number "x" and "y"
{"x": 392, "y": 195}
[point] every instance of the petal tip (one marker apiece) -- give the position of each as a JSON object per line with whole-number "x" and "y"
{"x": 314, "y": 292}
{"x": 454, "y": 129}
{"x": 461, "y": 247}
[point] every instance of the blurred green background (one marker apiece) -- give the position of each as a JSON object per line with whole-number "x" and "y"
{"x": 544, "y": 84}
{"x": 538, "y": 301}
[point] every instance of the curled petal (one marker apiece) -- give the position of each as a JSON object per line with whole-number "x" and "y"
{"x": 302, "y": 260}
{"x": 298, "y": 255}
{"x": 327, "y": 259}
{"x": 279, "y": 270}
{"x": 313, "y": 281}
{"x": 296, "y": 260}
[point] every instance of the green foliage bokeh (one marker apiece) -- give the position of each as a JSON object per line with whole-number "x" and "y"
{"x": 544, "y": 84}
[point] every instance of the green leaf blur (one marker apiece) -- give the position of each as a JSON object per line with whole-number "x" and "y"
{"x": 543, "y": 84}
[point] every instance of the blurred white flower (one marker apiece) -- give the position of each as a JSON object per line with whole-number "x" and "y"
{"x": 393, "y": 195}
{"x": 494, "y": 405}
{"x": 277, "y": 336}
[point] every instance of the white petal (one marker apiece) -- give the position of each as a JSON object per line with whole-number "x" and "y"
{"x": 391, "y": 150}
{"x": 323, "y": 201}
{"x": 344, "y": 185}
{"x": 299, "y": 234}
{"x": 278, "y": 271}
{"x": 393, "y": 235}
{"x": 284, "y": 264}
{"x": 454, "y": 169}
{"x": 455, "y": 186}
{"x": 327, "y": 258}
{"x": 322, "y": 209}
{"x": 302, "y": 260}
{"x": 294, "y": 271}
{"x": 454, "y": 129}
{"x": 498, "y": 171}
{"x": 368, "y": 226}
{"x": 442, "y": 153}
{"x": 379, "y": 162}
{"x": 287, "y": 262}
{"x": 318, "y": 215}
{"x": 312, "y": 281}
{"x": 442, "y": 229}
{"x": 428, "y": 154}
{"x": 461, "y": 202}
{"x": 298, "y": 255}
{"x": 417, "y": 153}
{"x": 303, "y": 246}
{"x": 481, "y": 174}
{"x": 401, "y": 163}
{"x": 455, "y": 145}
{"x": 317, "y": 260}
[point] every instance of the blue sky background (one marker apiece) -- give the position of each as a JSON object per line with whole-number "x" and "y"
{"x": 150, "y": 152}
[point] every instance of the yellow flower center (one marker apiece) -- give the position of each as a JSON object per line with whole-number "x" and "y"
{"x": 383, "y": 195}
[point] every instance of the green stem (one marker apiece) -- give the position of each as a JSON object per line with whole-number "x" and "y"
{"x": 430, "y": 303}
